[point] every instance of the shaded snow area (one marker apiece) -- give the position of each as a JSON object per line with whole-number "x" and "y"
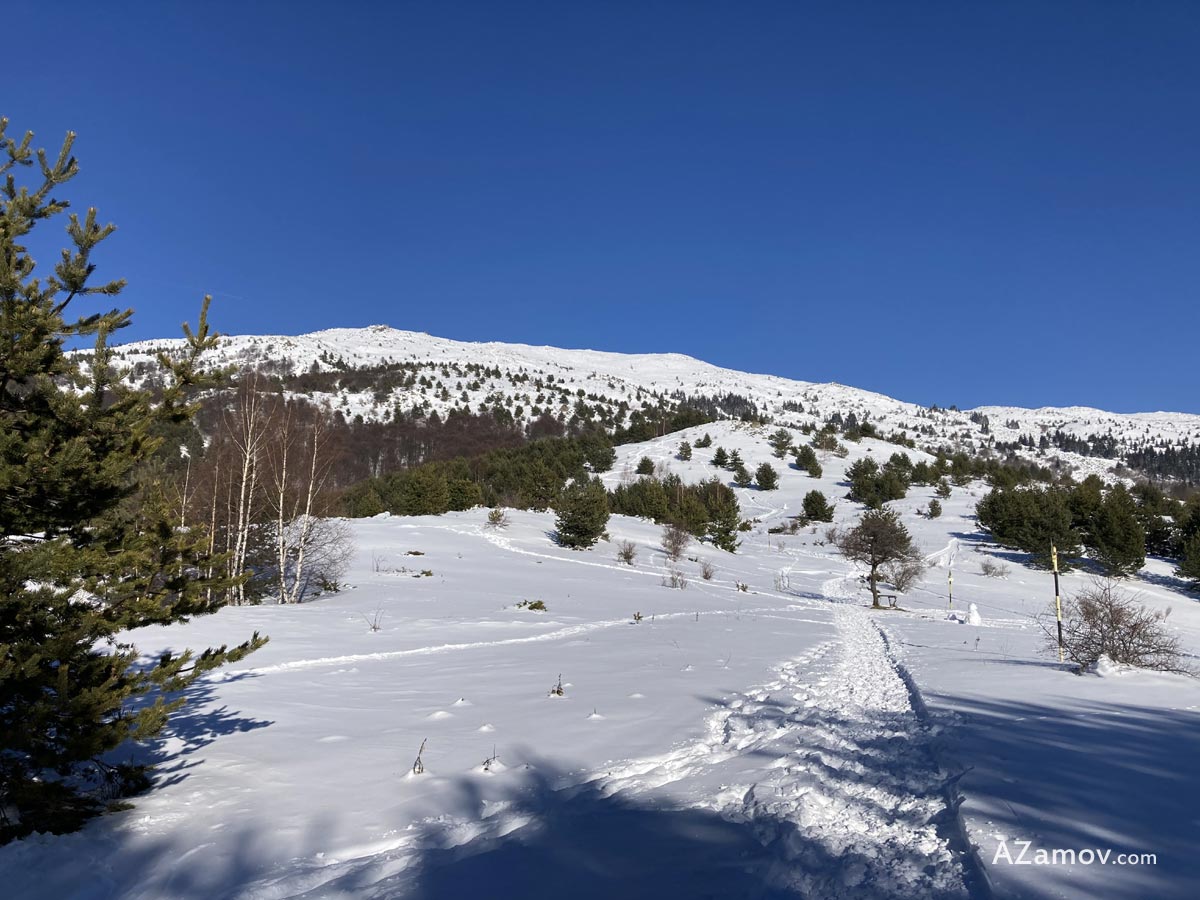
{"x": 781, "y": 741}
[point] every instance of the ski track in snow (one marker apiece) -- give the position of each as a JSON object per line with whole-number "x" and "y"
{"x": 559, "y": 634}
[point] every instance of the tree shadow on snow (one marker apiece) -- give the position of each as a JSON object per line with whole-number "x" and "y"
{"x": 1171, "y": 583}
{"x": 578, "y": 843}
{"x": 1094, "y": 775}
{"x": 193, "y": 727}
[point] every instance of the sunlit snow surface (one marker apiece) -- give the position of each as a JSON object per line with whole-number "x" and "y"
{"x": 781, "y": 741}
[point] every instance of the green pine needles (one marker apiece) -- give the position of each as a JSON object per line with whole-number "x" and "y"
{"x": 92, "y": 542}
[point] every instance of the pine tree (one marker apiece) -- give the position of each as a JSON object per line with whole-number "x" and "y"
{"x": 817, "y": 508}
{"x": 90, "y": 542}
{"x": 720, "y": 458}
{"x": 741, "y": 477}
{"x": 705, "y": 441}
{"x": 1115, "y": 536}
{"x": 1189, "y": 560}
{"x": 878, "y": 540}
{"x": 685, "y": 451}
{"x": 935, "y": 509}
{"x": 735, "y": 460}
{"x": 724, "y": 515}
{"x": 806, "y": 458}
{"x": 645, "y": 466}
{"x": 582, "y": 514}
{"x": 1031, "y": 519}
{"x": 767, "y": 477}
{"x": 781, "y": 443}
{"x": 865, "y": 480}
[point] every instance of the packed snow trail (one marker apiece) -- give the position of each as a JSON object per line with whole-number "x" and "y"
{"x": 852, "y": 802}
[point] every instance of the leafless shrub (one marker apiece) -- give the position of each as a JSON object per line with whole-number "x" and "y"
{"x": 418, "y": 767}
{"x": 673, "y": 578}
{"x": 627, "y": 552}
{"x": 319, "y": 553}
{"x": 993, "y": 568}
{"x": 905, "y": 574}
{"x": 1101, "y": 620}
{"x": 377, "y": 561}
{"x": 376, "y": 620}
{"x": 706, "y": 570}
{"x": 674, "y": 541}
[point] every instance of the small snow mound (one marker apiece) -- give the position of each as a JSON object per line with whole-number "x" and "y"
{"x": 973, "y": 616}
{"x": 461, "y": 701}
{"x": 1106, "y": 668}
{"x": 595, "y": 715}
{"x": 440, "y": 714}
{"x": 486, "y": 727}
{"x": 636, "y": 696}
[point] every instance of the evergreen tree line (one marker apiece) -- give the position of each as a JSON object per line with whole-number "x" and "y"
{"x": 1180, "y": 463}
{"x": 1117, "y": 526}
{"x": 537, "y": 476}
{"x": 708, "y": 509}
{"x": 530, "y": 476}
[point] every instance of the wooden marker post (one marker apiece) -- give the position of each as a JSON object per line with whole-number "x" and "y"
{"x": 1057, "y": 600}
{"x": 950, "y": 584}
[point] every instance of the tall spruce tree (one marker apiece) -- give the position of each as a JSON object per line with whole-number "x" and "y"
{"x": 90, "y": 544}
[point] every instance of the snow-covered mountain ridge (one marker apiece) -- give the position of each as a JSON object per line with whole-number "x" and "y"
{"x": 528, "y": 380}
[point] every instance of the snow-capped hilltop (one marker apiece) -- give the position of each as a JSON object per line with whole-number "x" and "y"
{"x": 448, "y": 374}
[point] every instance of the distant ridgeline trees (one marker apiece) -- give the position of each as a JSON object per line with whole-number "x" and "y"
{"x": 1158, "y": 460}
{"x": 1179, "y": 463}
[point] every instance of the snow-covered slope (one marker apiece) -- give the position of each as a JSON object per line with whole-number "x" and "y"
{"x": 757, "y": 734}
{"x": 524, "y": 379}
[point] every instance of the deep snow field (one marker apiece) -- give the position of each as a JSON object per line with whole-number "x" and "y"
{"x": 777, "y": 741}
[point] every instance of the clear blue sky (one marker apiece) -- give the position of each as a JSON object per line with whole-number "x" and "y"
{"x": 951, "y": 202}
